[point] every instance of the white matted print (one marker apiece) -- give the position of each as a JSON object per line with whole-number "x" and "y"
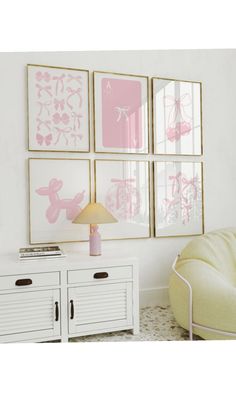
{"x": 59, "y": 189}
{"x": 123, "y": 188}
{"x": 58, "y": 109}
{"x": 177, "y": 125}
{"x": 121, "y": 113}
{"x": 178, "y": 198}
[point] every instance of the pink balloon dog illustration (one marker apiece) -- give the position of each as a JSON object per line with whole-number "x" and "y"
{"x": 72, "y": 206}
{"x": 179, "y": 123}
{"x": 123, "y": 199}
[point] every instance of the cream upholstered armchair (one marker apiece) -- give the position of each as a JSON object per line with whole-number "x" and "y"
{"x": 202, "y": 286}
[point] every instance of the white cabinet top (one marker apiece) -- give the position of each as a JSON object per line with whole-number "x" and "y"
{"x": 10, "y": 264}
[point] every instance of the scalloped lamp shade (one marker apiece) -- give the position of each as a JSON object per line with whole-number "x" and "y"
{"x": 94, "y": 214}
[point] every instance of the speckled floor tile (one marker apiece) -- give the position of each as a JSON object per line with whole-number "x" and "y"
{"x": 156, "y": 324}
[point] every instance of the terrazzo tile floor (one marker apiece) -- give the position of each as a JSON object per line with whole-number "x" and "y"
{"x": 156, "y": 324}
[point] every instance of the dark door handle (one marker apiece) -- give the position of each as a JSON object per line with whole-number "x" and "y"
{"x": 24, "y": 281}
{"x": 72, "y": 309}
{"x": 56, "y": 311}
{"x": 100, "y": 275}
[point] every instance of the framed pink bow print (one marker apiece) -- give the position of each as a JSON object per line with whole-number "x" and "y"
{"x": 58, "y": 109}
{"x": 121, "y": 113}
{"x": 123, "y": 188}
{"x": 178, "y": 197}
{"x": 177, "y": 117}
{"x": 58, "y": 190}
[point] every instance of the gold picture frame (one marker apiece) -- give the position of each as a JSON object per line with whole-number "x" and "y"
{"x": 98, "y": 198}
{"x": 124, "y": 113}
{"x": 155, "y": 199}
{"x": 178, "y": 128}
{"x": 30, "y": 199}
{"x": 74, "y": 118}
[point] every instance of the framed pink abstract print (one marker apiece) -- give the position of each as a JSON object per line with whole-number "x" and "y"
{"x": 58, "y": 109}
{"x": 178, "y": 197}
{"x": 58, "y": 190}
{"x": 123, "y": 188}
{"x": 121, "y": 113}
{"x": 177, "y": 117}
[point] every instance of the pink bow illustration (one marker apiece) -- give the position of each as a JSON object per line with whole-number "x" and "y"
{"x": 41, "y": 139}
{"x": 76, "y": 118}
{"x": 64, "y": 118}
{"x": 73, "y": 92}
{"x": 46, "y": 124}
{"x": 44, "y": 106}
{"x": 177, "y": 107}
{"x": 46, "y": 89}
{"x": 76, "y": 78}
{"x": 57, "y": 204}
{"x": 42, "y": 76}
{"x": 76, "y": 137}
{"x": 59, "y": 82}
{"x": 59, "y": 104}
{"x": 61, "y": 132}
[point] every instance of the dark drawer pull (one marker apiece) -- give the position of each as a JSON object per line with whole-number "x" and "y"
{"x": 25, "y": 281}
{"x": 71, "y": 309}
{"x": 56, "y": 312}
{"x": 100, "y": 275}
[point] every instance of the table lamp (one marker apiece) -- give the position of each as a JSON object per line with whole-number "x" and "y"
{"x": 94, "y": 214}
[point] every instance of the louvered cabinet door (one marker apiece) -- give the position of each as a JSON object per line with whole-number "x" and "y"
{"x": 100, "y": 307}
{"x": 29, "y": 315}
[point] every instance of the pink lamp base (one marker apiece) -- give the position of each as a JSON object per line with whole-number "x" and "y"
{"x": 94, "y": 241}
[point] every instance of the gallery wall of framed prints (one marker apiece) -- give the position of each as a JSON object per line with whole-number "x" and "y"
{"x": 129, "y": 164}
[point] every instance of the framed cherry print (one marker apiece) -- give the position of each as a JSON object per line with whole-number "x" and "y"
{"x": 58, "y": 109}
{"x": 123, "y": 188}
{"x": 178, "y": 197}
{"x": 120, "y": 113}
{"x": 177, "y": 117}
{"x": 58, "y": 190}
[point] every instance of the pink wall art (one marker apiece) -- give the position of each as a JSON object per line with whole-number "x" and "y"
{"x": 58, "y": 109}
{"x": 178, "y": 198}
{"x": 59, "y": 189}
{"x": 121, "y": 113}
{"x": 123, "y": 188}
{"x": 177, "y": 124}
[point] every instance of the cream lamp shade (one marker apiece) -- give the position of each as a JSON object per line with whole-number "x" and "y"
{"x": 94, "y": 214}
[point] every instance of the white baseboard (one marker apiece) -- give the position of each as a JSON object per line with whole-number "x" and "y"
{"x": 150, "y": 297}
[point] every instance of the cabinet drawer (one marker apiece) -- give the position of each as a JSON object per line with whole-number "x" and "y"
{"x": 100, "y": 275}
{"x": 28, "y": 280}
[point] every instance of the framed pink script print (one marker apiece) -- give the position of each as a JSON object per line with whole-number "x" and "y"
{"x": 58, "y": 190}
{"x": 178, "y": 188}
{"x": 177, "y": 117}
{"x": 121, "y": 113}
{"x": 58, "y": 109}
{"x": 123, "y": 188}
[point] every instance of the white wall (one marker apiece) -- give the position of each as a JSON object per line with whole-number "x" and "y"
{"x": 215, "y": 68}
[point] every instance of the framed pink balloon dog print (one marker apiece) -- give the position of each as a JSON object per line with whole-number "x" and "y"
{"x": 58, "y": 109}
{"x": 58, "y": 190}
{"x": 177, "y": 117}
{"x": 121, "y": 113}
{"x": 123, "y": 188}
{"x": 178, "y": 197}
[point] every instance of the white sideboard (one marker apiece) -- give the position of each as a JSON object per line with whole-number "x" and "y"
{"x": 46, "y": 300}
